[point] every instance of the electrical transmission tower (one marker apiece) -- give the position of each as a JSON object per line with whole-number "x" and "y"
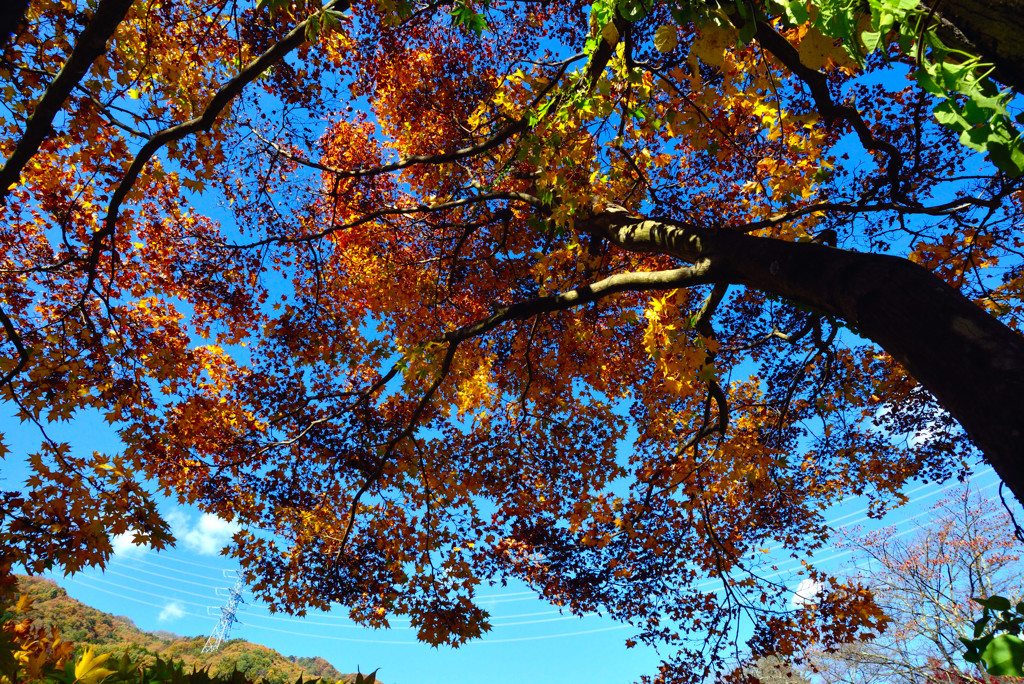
{"x": 227, "y": 616}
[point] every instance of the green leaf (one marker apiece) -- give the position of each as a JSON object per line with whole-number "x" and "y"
{"x": 312, "y": 27}
{"x": 871, "y": 40}
{"x": 994, "y": 603}
{"x": 635, "y": 10}
{"x": 949, "y": 115}
{"x": 980, "y": 625}
{"x": 464, "y": 15}
{"x": 973, "y": 655}
{"x": 926, "y": 78}
{"x": 976, "y": 112}
{"x": 747, "y": 32}
{"x": 957, "y": 76}
{"x": 1004, "y": 656}
{"x": 683, "y": 15}
{"x": 1008, "y": 158}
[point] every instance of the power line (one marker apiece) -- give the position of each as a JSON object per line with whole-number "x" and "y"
{"x": 529, "y": 595}
{"x": 495, "y": 598}
{"x": 211, "y": 585}
{"x": 484, "y": 641}
{"x": 311, "y": 622}
{"x": 120, "y": 595}
{"x": 136, "y": 558}
{"x": 419, "y": 643}
{"x": 711, "y": 582}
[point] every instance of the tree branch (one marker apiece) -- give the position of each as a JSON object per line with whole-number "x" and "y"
{"x": 698, "y": 274}
{"x": 204, "y": 122}
{"x": 91, "y": 44}
{"x": 890, "y": 300}
{"x": 781, "y": 48}
{"x": 23, "y": 353}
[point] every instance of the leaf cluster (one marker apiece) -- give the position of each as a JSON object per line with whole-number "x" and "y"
{"x": 997, "y": 644}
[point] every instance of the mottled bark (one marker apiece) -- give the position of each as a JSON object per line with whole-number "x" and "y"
{"x": 970, "y": 362}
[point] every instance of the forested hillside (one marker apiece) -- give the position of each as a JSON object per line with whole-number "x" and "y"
{"x": 108, "y": 633}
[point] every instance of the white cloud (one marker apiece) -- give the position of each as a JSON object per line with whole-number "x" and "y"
{"x": 124, "y": 544}
{"x": 179, "y": 522}
{"x": 207, "y": 537}
{"x": 807, "y": 590}
{"x": 171, "y": 611}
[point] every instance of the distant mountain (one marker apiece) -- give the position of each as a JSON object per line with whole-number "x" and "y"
{"x": 108, "y": 633}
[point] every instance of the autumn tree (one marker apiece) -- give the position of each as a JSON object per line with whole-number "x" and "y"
{"x": 926, "y": 582}
{"x": 613, "y": 298}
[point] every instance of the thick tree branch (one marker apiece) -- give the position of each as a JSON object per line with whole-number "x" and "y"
{"x": 700, "y": 273}
{"x": 992, "y": 28}
{"x": 91, "y": 44}
{"x": 971, "y": 363}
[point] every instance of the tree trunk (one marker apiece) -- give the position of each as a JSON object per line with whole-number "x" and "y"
{"x": 970, "y": 362}
{"x": 992, "y": 28}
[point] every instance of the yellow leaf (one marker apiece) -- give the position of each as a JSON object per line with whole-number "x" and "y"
{"x": 89, "y": 668}
{"x": 815, "y": 49}
{"x": 24, "y": 604}
{"x": 666, "y": 38}
{"x": 713, "y": 41}
{"x": 610, "y": 34}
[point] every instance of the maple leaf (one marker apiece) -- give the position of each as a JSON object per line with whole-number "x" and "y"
{"x": 89, "y": 667}
{"x": 24, "y": 604}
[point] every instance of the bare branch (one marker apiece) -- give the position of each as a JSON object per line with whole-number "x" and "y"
{"x": 397, "y": 211}
{"x": 944, "y": 209}
{"x": 781, "y": 48}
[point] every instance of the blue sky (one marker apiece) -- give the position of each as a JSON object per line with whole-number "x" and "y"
{"x": 182, "y": 590}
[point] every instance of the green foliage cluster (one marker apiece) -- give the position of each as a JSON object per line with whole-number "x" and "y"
{"x": 997, "y": 644}
{"x": 968, "y": 100}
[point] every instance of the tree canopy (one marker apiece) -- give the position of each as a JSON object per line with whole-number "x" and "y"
{"x": 613, "y": 298}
